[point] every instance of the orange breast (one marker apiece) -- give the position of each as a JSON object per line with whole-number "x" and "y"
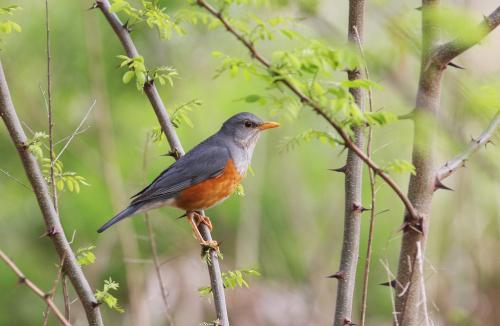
{"x": 209, "y": 192}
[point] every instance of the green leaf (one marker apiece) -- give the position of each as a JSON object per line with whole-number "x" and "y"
{"x": 127, "y": 77}
{"x": 85, "y": 256}
{"x": 360, "y": 83}
{"x": 104, "y": 295}
{"x": 400, "y": 166}
{"x": 252, "y": 98}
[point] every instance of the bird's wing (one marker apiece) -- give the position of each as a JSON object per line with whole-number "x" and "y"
{"x": 201, "y": 163}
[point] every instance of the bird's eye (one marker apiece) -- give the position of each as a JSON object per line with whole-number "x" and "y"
{"x": 248, "y": 124}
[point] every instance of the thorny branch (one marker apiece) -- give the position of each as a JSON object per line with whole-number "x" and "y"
{"x": 353, "y": 185}
{"x": 459, "y": 161}
{"x": 44, "y": 296}
{"x": 150, "y": 90}
{"x": 446, "y": 52}
{"x": 348, "y": 142}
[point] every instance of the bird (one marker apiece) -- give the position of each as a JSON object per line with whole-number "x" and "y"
{"x": 204, "y": 177}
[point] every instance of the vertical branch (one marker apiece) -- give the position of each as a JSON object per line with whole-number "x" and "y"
{"x": 161, "y": 113}
{"x": 353, "y": 186}
{"x": 49, "y": 108}
{"x": 422, "y": 183}
{"x": 371, "y": 175}
{"x": 51, "y": 218}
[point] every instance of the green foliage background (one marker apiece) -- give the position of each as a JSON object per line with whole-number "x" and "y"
{"x": 289, "y": 223}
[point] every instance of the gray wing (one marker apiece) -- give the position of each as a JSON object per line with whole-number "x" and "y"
{"x": 205, "y": 161}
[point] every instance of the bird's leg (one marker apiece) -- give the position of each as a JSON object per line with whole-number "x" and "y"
{"x": 203, "y": 219}
{"x": 194, "y": 226}
{"x": 191, "y": 216}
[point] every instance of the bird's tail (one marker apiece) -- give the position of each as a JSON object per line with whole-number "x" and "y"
{"x": 120, "y": 216}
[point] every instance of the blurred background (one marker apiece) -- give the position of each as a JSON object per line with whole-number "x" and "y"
{"x": 289, "y": 223}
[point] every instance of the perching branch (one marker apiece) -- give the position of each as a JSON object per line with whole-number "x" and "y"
{"x": 51, "y": 218}
{"x": 446, "y": 52}
{"x": 348, "y": 142}
{"x": 459, "y": 161}
{"x": 44, "y": 296}
{"x": 156, "y": 102}
{"x": 352, "y": 185}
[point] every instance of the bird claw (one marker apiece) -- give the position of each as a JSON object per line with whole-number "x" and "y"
{"x": 211, "y": 244}
{"x": 203, "y": 219}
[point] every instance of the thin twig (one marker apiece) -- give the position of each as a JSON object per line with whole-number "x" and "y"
{"x": 44, "y": 296}
{"x": 316, "y": 108}
{"x": 390, "y": 278}
{"x": 459, "y": 161}
{"x": 7, "y": 174}
{"x": 152, "y": 242}
{"x": 163, "y": 118}
{"x": 77, "y": 130}
{"x": 65, "y": 291}
{"x": 420, "y": 260}
{"x": 371, "y": 176}
{"x": 49, "y": 109}
{"x": 52, "y": 291}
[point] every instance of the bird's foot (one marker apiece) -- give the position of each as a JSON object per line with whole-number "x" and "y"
{"x": 203, "y": 219}
{"x": 211, "y": 244}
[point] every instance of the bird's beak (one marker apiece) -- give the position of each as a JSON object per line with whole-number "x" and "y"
{"x": 268, "y": 125}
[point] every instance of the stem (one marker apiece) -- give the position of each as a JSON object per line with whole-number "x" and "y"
{"x": 371, "y": 176}
{"x": 44, "y": 296}
{"x": 353, "y": 186}
{"x": 49, "y": 109}
{"x": 50, "y": 215}
{"x": 52, "y": 292}
{"x": 176, "y": 147}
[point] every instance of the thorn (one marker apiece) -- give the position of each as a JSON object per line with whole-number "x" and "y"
{"x": 439, "y": 185}
{"x": 341, "y": 169}
{"x": 94, "y": 6}
{"x": 464, "y": 163}
{"x": 340, "y": 275}
{"x": 348, "y": 322}
{"x": 22, "y": 279}
{"x": 363, "y": 209}
{"x": 47, "y": 296}
{"x": 50, "y": 232}
{"x": 95, "y": 304}
{"x": 419, "y": 8}
{"x": 173, "y": 153}
{"x": 454, "y": 65}
{"x": 412, "y": 224}
{"x": 127, "y": 27}
{"x": 357, "y": 207}
{"x": 392, "y": 284}
{"x": 489, "y": 141}
{"x": 183, "y": 215}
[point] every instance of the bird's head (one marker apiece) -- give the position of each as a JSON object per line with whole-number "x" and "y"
{"x": 244, "y": 128}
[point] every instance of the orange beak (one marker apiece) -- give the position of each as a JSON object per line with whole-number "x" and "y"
{"x": 268, "y": 125}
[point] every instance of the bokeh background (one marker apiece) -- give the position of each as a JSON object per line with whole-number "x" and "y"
{"x": 289, "y": 223}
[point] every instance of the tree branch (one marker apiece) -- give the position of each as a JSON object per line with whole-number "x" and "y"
{"x": 316, "y": 108}
{"x": 156, "y": 102}
{"x": 353, "y": 184}
{"x": 40, "y": 188}
{"x": 459, "y": 161}
{"x": 446, "y": 52}
{"x": 44, "y": 296}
